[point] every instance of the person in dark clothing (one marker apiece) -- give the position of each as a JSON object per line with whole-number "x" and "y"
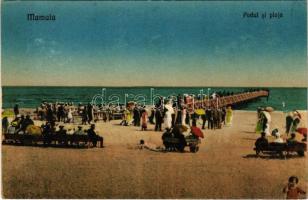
{"x": 94, "y": 137}
{"x": 187, "y": 118}
{"x": 136, "y": 116}
{"x": 151, "y": 118}
{"x": 158, "y": 119}
{"x": 209, "y": 115}
{"x": 261, "y": 142}
{"x": 84, "y": 116}
{"x": 223, "y": 115}
{"x": 178, "y": 117}
{"x": 47, "y": 132}
{"x": 173, "y": 119}
{"x": 60, "y": 113}
{"x": 16, "y": 110}
{"x": 292, "y": 140}
{"x": 289, "y": 121}
{"x": 28, "y": 121}
{"x": 216, "y": 118}
{"x": 61, "y": 135}
{"x": 179, "y": 102}
{"x": 20, "y": 122}
{"x": 90, "y": 113}
{"x": 204, "y": 118}
{"x": 49, "y": 115}
{"x": 5, "y": 124}
{"x": 177, "y": 131}
{"x": 264, "y": 124}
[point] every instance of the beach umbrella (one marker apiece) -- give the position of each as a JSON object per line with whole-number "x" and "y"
{"x": 302, "y": 131}
{"x": 196, "y": 131}
{"x": 7, "y": 113}
{"x": 296, "y": 113}
{"x": 184, "y": 128}
{"x": 269, "y": 109}
{"x": 200, "y": 111}
{"x": 33, "y": 130}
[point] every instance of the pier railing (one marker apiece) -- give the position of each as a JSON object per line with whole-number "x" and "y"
{"x": 219, "y": 102}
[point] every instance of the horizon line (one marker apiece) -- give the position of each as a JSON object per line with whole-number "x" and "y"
{"x": 152, "y": 86}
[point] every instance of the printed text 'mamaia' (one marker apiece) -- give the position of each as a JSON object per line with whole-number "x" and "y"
{"x": 35, "y": 17}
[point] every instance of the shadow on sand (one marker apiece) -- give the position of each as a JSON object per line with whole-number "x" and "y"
{"x": 82, "y": 146}
{"x": 272, "y": 156}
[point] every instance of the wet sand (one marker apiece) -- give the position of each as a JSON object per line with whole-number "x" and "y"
{"x": 224, "y": 167}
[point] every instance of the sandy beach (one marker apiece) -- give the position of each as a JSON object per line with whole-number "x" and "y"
{"x": 224, "y": 167}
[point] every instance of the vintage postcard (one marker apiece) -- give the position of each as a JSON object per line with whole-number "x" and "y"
{"x": 154, "y": 99}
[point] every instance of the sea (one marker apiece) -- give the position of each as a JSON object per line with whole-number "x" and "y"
{"x": 282, "y": 99}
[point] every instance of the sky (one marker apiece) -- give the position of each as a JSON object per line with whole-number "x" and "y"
{"x": 154, "y": 44}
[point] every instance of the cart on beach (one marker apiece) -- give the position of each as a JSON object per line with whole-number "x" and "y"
{"x": 174, "y": 140}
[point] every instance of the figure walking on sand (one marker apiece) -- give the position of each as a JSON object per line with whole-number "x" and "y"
{"x": 168, "y": 116}
{"x": 264, "y": 119}
{"x": 229, "y": 116}
{"x": 144, "y": 120}
{"x": 158, "y": 119}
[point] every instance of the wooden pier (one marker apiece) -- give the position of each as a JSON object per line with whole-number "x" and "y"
{"x": 230, "y": 100}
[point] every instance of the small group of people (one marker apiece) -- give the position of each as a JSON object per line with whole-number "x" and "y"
{"x": 179, "y": 133}
{"x": 49, "y": 130}
{"x": 18, "y": 125}
{"x": 61, "y": 112}
{"x": 263, "y": 141}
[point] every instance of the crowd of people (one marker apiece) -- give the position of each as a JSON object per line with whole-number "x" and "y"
{"x": 24, "y": 125}
{"x": 168, "y": 113}
{"x": 67, "y": 112}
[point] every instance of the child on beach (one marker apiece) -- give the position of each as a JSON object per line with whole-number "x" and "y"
{"x": 292, "y": 190}
{"x": 144, "y": 120}
{"x": 150, "y": 146}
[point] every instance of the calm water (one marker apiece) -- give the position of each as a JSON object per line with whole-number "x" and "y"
{"x": 31, "y": 97}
